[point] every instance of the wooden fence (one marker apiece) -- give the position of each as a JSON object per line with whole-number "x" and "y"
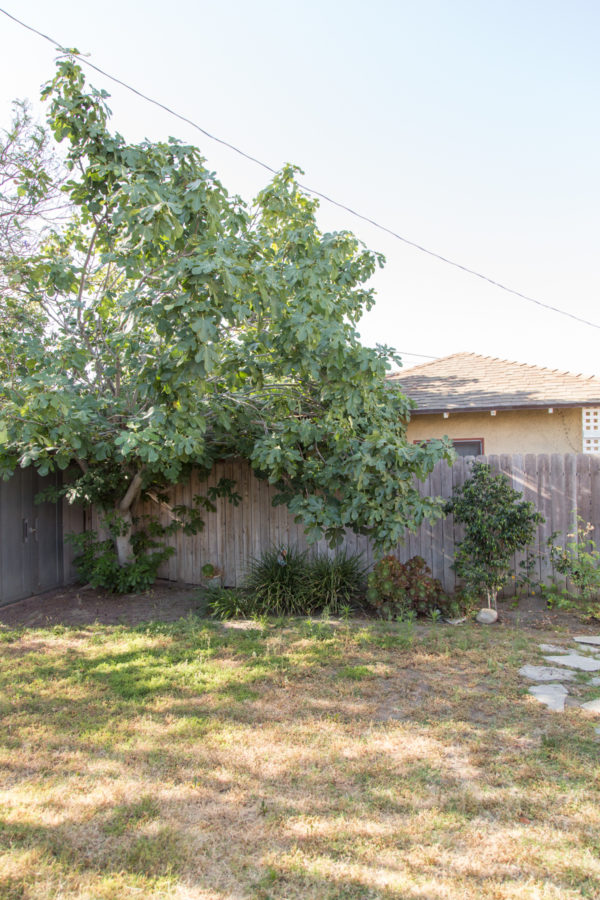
{"x": 561, "y": 487}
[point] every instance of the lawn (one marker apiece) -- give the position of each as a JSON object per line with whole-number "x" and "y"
{"x": 310, "y": 759}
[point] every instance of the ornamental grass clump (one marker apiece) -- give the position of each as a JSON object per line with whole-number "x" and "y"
{"x": 337, "y": 581}
{"x": 497, "y": 524}
{"x": 285, "y": 581}
{"x": 279, "y": 583}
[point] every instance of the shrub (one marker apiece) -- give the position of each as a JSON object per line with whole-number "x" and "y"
{"x": 96, "y": 562}
{"x": 579, "y": 561}
{"x": 398, "y": 590}
{"x": 498, "y": 523}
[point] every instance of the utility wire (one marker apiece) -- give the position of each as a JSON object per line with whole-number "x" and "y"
{"x": 304, "y": 187}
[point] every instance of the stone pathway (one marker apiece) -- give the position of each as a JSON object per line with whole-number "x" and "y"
{"x": 571, "y": 664}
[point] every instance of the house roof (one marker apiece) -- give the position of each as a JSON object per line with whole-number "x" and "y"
{"x": 465, "y": 382}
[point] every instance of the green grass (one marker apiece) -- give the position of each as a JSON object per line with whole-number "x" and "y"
{"x": 303, "y": 759}
{"x": 355, "y": 673}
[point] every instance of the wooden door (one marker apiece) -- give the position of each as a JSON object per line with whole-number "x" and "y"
{"x": 31, "y": 557}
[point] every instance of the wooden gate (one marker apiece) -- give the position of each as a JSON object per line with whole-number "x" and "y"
{"x": 31, "y": 548}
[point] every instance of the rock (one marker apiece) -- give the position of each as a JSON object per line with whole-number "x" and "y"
{"x": 553, "y": 648}
{"x": 594, "y": 682}
{"x": 460, "y": 621}
{"x": 552, "y": 695}
{"x": 546, "y": 673}
{"x": 588, "y": 639}
{"x": 487, "y": 617}
{"x": 592, "y": 706}
{"x": 576, "y": 661}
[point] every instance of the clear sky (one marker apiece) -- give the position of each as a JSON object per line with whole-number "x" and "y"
{"x": 468, "y": 126}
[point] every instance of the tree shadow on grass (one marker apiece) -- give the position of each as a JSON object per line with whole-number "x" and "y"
{"x": 329, "y": 803}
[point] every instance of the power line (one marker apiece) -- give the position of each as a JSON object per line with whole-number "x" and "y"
{"x": 304, "y": 187}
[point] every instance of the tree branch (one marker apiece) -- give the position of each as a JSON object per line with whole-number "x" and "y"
{"x": 132, "y": 493}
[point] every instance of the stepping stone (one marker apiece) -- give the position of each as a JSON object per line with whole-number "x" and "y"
{"x": 591, "y": 706}
{"x": 546, "y": 673}
{"x": 552, "y": 695}
{"x": 593, "y": 682}
{"x": 576, "y": 661}
{"x": 553, "y": 648}
{"x": 588, "y": 639}
{"x": 460, "y": 621}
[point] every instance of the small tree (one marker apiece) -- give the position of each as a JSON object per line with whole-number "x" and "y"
{"x": 170, "y": 325}
{"x": 498, "y": 523}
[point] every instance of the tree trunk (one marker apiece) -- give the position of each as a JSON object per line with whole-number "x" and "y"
{"x": 123, "y": 514}
{"x": 123, "y": 539}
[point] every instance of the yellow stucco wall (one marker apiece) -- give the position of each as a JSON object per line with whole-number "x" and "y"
{"x": 510, "y": 431}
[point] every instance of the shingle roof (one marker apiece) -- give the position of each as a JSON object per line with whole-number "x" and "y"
{"x": 466, "y": 381}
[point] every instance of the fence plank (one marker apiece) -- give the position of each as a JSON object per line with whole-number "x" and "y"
{"x": 570, "y": 494}
{"x": 595, "y": 498}
{"x": 460, "y": 472}
{"x": 447, "y": 522}
{"x": 437, "y": 534}
{"x": 412, "y": 546}
{"x": 530, "y": 488}
{"x": 560, "y": 510}
{"x": 517, "y": 479}
{"x": 505, "y": 467}
{"x": 426, "y": 530}
{"x": 584, "y": 490}
{"x": 544, "y": 504}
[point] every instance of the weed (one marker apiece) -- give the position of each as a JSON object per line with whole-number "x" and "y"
{"x": 228, "y": 603}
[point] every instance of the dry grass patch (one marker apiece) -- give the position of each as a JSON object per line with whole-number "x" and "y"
{"x": 301, "y": 760}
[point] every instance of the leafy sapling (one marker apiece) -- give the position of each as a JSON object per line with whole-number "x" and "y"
{"x": 497, "y": 524}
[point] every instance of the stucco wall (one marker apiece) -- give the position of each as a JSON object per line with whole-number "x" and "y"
{"x": 510, "y": 431}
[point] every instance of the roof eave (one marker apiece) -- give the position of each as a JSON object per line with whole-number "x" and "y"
{"x": 550, "y": 404}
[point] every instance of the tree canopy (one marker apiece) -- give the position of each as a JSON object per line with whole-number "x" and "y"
{"x": 180, "y": 325}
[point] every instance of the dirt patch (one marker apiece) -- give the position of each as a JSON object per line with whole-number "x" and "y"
{"x": 533, "y": 611}
{"x": 166, "y": 601}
